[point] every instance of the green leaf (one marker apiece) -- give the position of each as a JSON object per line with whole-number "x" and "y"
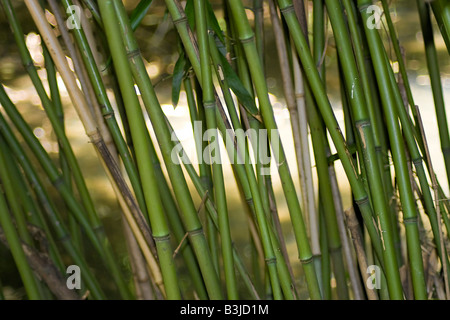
{"x": 139, "y": 13}
{"x": 178, "y": 74}
{"x": 190, "y": 15}
{"x": 238, "y": 88}
{"x": 213, "y": 23}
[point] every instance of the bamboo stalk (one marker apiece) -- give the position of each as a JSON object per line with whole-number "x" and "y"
{"x": 189, "y": 215}
{"x": 88, "y": 122}
{"x": 12, "y": 236}
{"x": 363, "y": 124}
{"x": 323, "y": 104}
{"x": 436, "y": 199}
{"x": 298, "y": 132}
{"x": 355, "y": 231}
{"x": 240, "y": 154}
{"x": 436, "y": 86}
{"x": 246, "y": 37}
{"x": 105, "y": 104}
{"x": 55, "y": 219}
{"x": 160, "y": 231}
{"x": 391, "y": 113}
{"x": 209, "y": 104}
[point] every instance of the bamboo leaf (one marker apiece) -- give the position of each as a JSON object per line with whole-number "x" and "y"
{"x": 189, "y": 11}
{"x": 138, "y": 14}
{"x": 213, "y": 24}
{"x": 237, "y": 87}
{"x": 178, "y": 74}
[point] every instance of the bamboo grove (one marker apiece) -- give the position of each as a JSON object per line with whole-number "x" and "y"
{"x": 392, "y": 242}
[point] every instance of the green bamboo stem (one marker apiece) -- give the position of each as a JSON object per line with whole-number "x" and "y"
{"x": 34, "y": 213}
{"x": 209, "y": 104}
{"x": 54, "y": 218}
{"x": 362, "y": 55}
{"x": 64, "y": 164}
{"x": 329, "y": 228}
{"x": 138, "y": 128}
{"x": 107, "y": 111}
{"x": 298, "y": 132}
{"x": 12, "y": 200}
{"x": 177, "y": 228}
{"x": 329, "y": 214}
{"x": 15, "y": 245}
{"x": 18, "y": 214}
{"x": 173, "y": 216}
{"x": 240, "y": 154}
{"x": 399, "y": 56}
{"x": 418, "y": 160}
{"x": 206, "y": 173}
{"x": 320, "y": 147}
{"x": 55, "y": 177}
{"x": 325, "y": 266}
{"x": 87, "y": 120}
{"x": 365, "y": 69}
{"x": 189, "y": 214}
{"x": 445, "y": 15}
{"x": 246, "y": 37}
{"x": 323, "y": 104}
{"x": 265, "y": 194}
{"x": 364, "y": 126}
{"x": 435, "y": 186}
{"x": 258, "y": 12}
{"x": 391, "y": 111}
{"x": 436, "y": 85}
{"x": 269, "y": 252}
{"x": 50, "y": 110}
{"x": 2, "y": 296}
{"x": 437, "y": 10}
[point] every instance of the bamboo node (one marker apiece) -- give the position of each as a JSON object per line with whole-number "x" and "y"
{"x": 362, "y": 201}
{"x": 417, "y": 161}
{"x": 247, "y": 40}
{"x": 411, "y": 220}
{"x": 29, "y": 65}
{"x": 307, "y": 260}
{"x": 270, "y": 260}
{"x": 161, "y": 238}
{"x": 290, "y": 8}
{"x": 108, "y": 114}
{"x": 195, "y": 232}
{"x": 58, "y": 182}
{"x": 209, "y": 104}
{"x": 362, "y": 123}
{"x": 446, "y": 151}
{"x": 183, "y": 19}
{"x": 133, "y": 54}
